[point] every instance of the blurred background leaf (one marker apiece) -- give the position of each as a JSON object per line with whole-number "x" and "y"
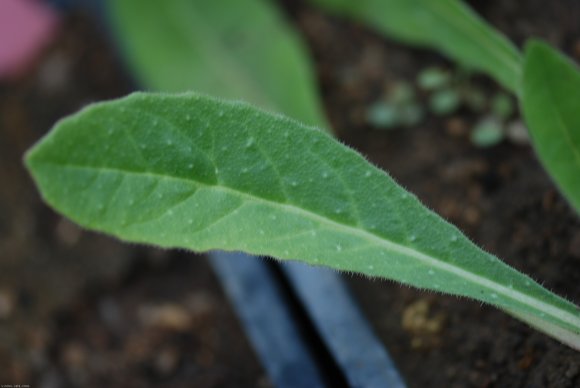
{"x": 551, "y": 107}
{"x": 449, "y": 26}
{"x": 228, "y": 48}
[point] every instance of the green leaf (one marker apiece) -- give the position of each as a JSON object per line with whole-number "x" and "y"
{"x": 228, "y": 48}
{"x": 198, "y": 173}
{"x": 551, "y": 106}
{"x": 502, "y": 106}
{"x": 448, "y": 26}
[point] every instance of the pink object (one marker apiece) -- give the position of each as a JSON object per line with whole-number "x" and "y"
{"x": 26, "y": 26}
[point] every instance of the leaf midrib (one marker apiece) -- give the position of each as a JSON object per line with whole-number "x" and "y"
{"x": 556, "y": 313}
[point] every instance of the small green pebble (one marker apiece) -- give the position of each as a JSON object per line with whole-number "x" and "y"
{"x": 487, "y": 133}
{"x": 433, "y": 78}
{"x": 382, "y": 115}
{"x": 444, "y": 102}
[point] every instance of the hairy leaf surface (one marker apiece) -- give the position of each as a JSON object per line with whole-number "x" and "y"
{"x": 194, "y": 172}
{"x": 237, "y": 49}
{"x": 449, "y": 26}
{"x": 551, "y": 106}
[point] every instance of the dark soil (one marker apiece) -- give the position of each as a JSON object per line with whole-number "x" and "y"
{"x": 80, "y": 309}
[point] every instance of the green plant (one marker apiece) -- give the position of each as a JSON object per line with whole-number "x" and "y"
{"x": 547, "y": 84}
{"x": 198, "y": 173}
{"x": 449, "y": 26}
{"x": 193, "y": 172}
{"x": 550, "y": 99}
